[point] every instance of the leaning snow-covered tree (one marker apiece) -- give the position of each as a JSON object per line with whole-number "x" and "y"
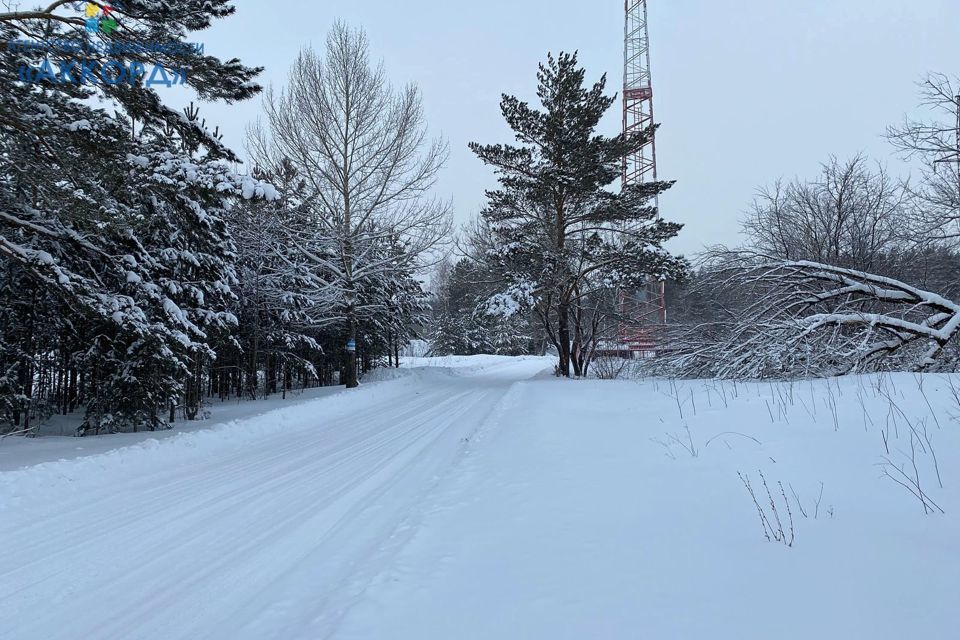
{"x": 811, "y": 319}
{"x": 368, "y": 167}
{"x": 560, "y": 233}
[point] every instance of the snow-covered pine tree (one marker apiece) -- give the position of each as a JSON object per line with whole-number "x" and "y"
{"x": 453, "y": 304}
{"x": 459, "y": 329}
{"x": 283, "y": 308}
{"x": 114, "y": 231}
{"x": 391, "y": 304}
{"x": 147, "y": 34}
{"x": 556, "y": 222}
{"x": 401, "y": 303}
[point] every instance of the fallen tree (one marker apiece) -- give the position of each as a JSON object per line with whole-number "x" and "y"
{"x": 802, "y": 318}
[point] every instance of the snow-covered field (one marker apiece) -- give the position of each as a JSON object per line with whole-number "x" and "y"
{"x": 479, "y": 498}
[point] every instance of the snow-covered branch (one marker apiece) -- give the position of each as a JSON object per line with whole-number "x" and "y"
{"x": 809, "y": 318}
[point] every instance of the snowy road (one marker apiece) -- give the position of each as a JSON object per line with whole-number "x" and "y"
{"x": 464, "y": 500}
{"x": 268, "y": 533}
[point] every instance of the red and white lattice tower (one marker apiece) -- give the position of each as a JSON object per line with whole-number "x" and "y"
{"x": 646, "y": 309}
{"x": 638, "y": 92}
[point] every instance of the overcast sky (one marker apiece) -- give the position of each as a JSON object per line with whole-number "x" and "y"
{"x": 745, "y": 90}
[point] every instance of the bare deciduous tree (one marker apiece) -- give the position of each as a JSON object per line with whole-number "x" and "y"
{"x": 368, "y": 166}
{"x": 936, "y": 142}
{"x": 852, "y": 271}
{"x": 849, "y": 216}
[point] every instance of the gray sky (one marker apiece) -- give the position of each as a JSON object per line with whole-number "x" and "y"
{"x": 745, "y": 90}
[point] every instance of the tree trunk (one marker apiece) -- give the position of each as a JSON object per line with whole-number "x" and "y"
{"x": 350, "y": 366}
{"x": 194, "y": 391}
{"x": 578, "y": 353}
{"x": 72, "y": 394}
{"x": 563, "y": 338}
{"x": 253, "y": 368}
{"x": 271, "y": 374}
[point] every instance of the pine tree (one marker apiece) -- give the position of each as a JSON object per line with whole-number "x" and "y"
{"x": 148, "y": 34}
{"x": 559, "y": 230}
{"x": 458, "y": 327}
{"x": 281, "y": 311}
{"x": 113, "y": 221}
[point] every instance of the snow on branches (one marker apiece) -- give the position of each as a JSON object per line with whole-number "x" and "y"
{"x": 809, "y": 318}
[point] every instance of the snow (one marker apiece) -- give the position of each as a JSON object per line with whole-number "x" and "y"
{"x": 141, "y": 161}
{"x": 471, "y": 364}
{"x": 251, "y": 188}
{"x": 511, "y": 303}
{"x": 57, "y": 442}
{"x": 480, "y": 498}
{"x": 571, "y": 522}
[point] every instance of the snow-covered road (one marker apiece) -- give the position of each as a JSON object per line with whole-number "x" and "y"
{"x": 267, "y": 532}
{"x": 471, "y": 499}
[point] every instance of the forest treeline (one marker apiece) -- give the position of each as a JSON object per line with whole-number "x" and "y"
{"x": 146, "y": 271}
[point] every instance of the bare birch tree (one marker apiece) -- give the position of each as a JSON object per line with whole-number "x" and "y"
{"x": 368, "y": 165}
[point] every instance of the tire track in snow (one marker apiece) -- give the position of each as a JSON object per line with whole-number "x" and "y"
{"x": 162, "y": 498}
{"x": 153, "y": 546}
{"x": 254, "y": 542}
{"x": 178, "y": 480}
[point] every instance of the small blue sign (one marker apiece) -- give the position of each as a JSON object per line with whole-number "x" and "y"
{"x": 352, "y": 345}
